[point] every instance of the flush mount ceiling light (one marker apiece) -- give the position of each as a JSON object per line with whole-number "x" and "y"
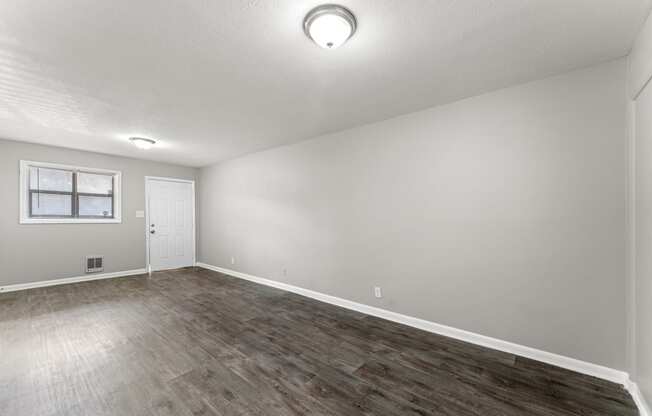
{"x": 329, "y": 25}
{"x": 142, "y": 143}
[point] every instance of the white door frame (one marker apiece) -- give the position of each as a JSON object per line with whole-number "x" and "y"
{"x": 148, "y": 266}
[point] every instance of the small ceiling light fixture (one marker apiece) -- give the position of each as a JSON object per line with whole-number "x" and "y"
{"x": 142, "y": 143}
{"x": 329, "y": 25}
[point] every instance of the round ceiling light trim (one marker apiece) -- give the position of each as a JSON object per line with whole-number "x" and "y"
{"x": 330, "y": 25}
{"x": 142, "y": 142}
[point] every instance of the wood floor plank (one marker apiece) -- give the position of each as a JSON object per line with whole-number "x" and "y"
{"x": 196, "y": 342}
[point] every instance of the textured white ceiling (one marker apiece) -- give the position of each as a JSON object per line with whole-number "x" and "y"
{"x": 215, "y": 79}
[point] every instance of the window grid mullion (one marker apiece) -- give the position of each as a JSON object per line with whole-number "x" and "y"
{"x": 75, "y": 196}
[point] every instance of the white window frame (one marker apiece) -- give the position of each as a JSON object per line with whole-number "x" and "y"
{"x": 24, "y": 194}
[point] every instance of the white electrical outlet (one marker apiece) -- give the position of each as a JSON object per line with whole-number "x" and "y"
{"x": 378, "y": 292}
{"x": 232, "y": 260}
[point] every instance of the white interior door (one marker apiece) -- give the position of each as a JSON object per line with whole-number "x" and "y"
{"x": 170, "y": 224}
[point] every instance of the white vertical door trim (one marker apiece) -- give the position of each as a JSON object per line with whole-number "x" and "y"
{"x": 148, "y": 180}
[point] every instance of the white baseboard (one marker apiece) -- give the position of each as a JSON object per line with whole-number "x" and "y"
{"x": 573, "y": 364}
{"x": 639, "y": 399}
{"x": 67, "y": 280}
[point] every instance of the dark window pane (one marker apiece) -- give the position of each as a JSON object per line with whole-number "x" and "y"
{"x": 95, "y": 206}
{"x": 93, "y": 183}
{"x": 47, "y": 205}
{"x": 50, "y": 179}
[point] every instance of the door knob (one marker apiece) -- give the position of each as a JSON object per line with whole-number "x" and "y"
{"x": 152, "y": 232}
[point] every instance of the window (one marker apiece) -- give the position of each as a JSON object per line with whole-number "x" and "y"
{"x": 52, "y": 193}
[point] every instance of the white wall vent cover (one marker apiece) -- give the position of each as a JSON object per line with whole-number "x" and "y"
{"x": 94, "y": 264}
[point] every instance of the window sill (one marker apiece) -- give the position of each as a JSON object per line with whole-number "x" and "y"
{"x": 70, "y": 221}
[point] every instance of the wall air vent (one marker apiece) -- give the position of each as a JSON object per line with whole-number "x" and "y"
{"x": 94, "y": 264}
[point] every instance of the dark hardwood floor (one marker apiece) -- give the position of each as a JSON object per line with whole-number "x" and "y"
{"x": 195, "y": 342}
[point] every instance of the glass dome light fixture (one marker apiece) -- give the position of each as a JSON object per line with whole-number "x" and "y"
{"x": 142, "y": 143}
{"x": 329, "y": 25}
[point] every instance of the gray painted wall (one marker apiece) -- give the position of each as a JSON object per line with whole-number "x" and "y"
{"x": 503, "y": 214}
{"x": 643, "y": 208}
{"x": 36, "y": 252}
{"x": 640, "y": 290}
{"x": 640, "y": 59}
